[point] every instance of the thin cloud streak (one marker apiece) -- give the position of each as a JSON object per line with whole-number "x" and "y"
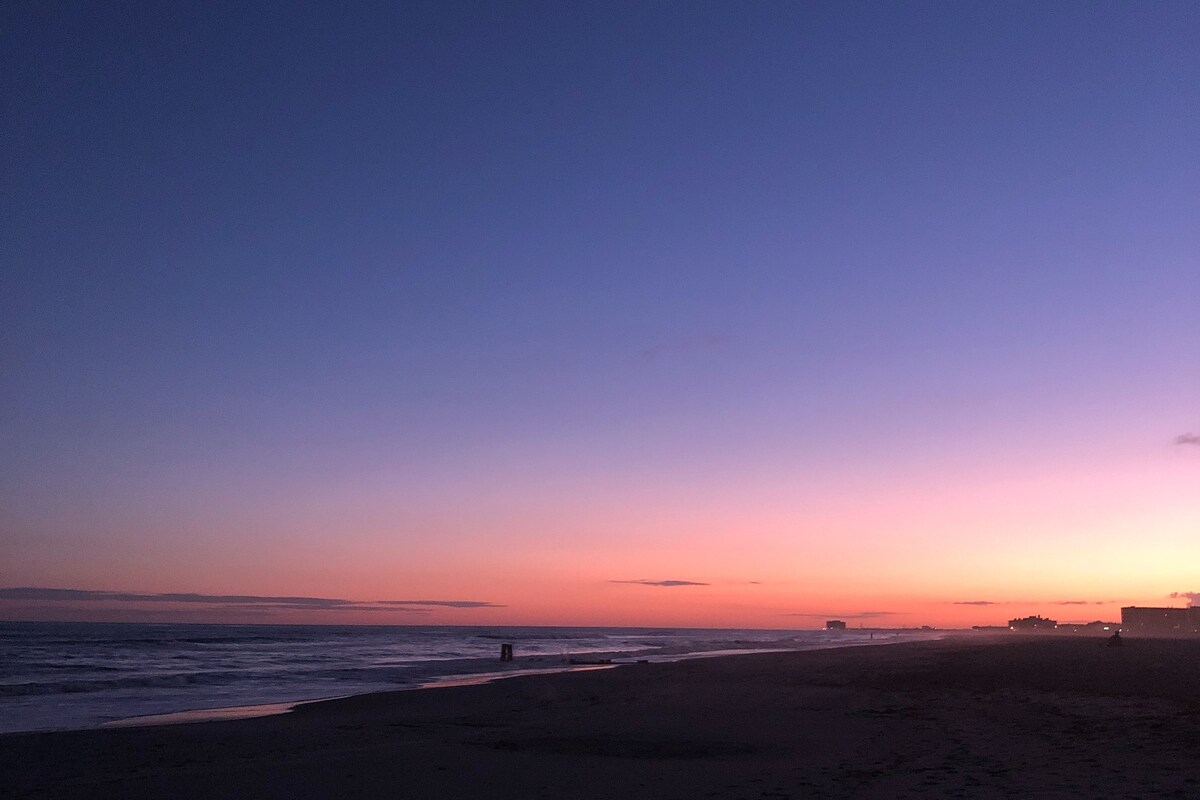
{"x": 45, "y": 594}
{"x": 1188, "y": 438}
{"x": 843, "y": 617}
{"x": 442, "y": 603}
{"x": 1032, "y": 602}
{"x": 644, "y": 582}
{"x": 685, "y": 346}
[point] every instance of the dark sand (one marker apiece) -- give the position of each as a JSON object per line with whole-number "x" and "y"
{"x": 967, "y": 717}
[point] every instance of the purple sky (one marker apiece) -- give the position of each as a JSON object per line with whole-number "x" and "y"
{"x": 397, "y": 289}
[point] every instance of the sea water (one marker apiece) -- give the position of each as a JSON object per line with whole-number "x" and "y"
{"x": 80, "y": 675}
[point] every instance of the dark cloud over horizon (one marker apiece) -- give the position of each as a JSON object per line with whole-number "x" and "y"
{"x": 1188, "y": 438}
{"x": 46, "y": 594}
{"x": 645, "y": 582}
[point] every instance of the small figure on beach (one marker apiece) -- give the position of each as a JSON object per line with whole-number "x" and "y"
{"x": 1115, "y": 640}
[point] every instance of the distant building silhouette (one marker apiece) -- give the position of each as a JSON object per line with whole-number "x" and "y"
{"x": 1088, "y": 627}
{"x": 1032, "y": 624}
{"x": 835, "y": 625}
{"x": 1161, "y": 621}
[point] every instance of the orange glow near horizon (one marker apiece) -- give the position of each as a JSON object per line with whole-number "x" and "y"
{"x": 1073, "y": 542}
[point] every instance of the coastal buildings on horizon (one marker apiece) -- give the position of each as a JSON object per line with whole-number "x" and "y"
{"x": 1137, "y": 620}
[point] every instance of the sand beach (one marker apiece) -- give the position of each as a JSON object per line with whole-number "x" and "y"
{"x": 961, "y": 717}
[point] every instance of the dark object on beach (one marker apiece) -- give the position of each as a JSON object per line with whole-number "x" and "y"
{"x": 1115, "y": 640}
{"x": 506, "y": 652}
{"x": 589, "y": 661}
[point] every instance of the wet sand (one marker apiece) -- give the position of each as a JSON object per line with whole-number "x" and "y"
{"x": 964, "y": 717}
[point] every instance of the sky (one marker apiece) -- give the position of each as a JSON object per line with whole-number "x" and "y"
{"x": 647, "y": 313}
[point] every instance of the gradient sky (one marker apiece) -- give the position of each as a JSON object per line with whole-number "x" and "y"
{"x": 717, "y": 314}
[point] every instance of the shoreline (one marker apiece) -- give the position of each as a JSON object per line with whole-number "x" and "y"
{"x": 254, "y": 710}
{"x": 70, "y": 676}
{"x": 961, "y": 716}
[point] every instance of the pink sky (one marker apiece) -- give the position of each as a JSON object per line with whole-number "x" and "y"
{"x": 1072, "y": 541}
{"x": 859, "y": 310}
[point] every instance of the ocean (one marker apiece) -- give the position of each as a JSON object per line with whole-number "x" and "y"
{"x": 56, "y": 676}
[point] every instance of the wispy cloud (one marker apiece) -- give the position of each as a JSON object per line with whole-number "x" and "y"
{"x": 44, "y": 594}
{"x": 445, "y": 603}
{"x": 1193, "y": 598}
{"x": 1032, "y": 602}
{"x": 684, "y": 345}
{"x": 645, "y": 582}
{"x": 843, "y": 617}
